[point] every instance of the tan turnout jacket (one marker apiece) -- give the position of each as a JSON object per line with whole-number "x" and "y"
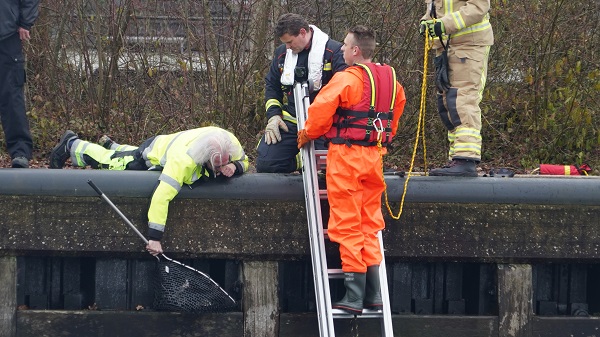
{"x": 466, "y": 21}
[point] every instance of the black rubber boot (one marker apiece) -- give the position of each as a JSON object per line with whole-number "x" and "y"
{"x": 352, "y": 302}
{"x": 60, "y": 153}
{"x": 457, "y": 168}
{"x": 373, "y": 290}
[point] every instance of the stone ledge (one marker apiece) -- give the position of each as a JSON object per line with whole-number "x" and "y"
{"x": 263, "y": 217}
{"x": 277, "y": 230}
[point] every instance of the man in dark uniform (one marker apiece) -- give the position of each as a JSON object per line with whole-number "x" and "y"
{"x": 16, "y": 19}
{"x": 306, "y": 53}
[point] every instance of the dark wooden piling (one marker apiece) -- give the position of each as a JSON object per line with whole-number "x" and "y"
{"x": 261, "y": 298}
{"x": 515, "y": 296}
{"x": 8, "y": 298}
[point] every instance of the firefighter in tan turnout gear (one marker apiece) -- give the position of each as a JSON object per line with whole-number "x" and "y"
{"x": 183, "y": 157}
{"x": 462, "y": 38}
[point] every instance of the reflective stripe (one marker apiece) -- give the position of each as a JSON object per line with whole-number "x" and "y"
{"x": 451, "y": 136}
{"x": 121, "y": 148}
{"x": 147, "y": 150}
{"x": 460, "y": 23}
{"x": 288, "y": 117}
{"x": 156, "y": 226}
{"x": 473, "y": 147}
{"x": 195, "y": 175}
{"x": 370, "y": 74}
{"x": 272, "y": 102}
{"x": 451, "y": 139}
{"x": 298, "y": 161}
{"x": 567, "y": 170}
{"x": 478, "y": 27}
{"x": 77, "y": 155}
{"x": 448, "y": 6}
{"x": 467, "y": 146}
{"x": 467, "y": 132}
{"x": 327, "y": 66}
{"x": 170, "y": 181}
{"x": 458, "y": 20}
{"x": 394, "y": 88}
{"x": 163, "y": 159}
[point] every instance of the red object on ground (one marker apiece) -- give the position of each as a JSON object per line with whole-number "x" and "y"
{"x": 564, "y": 170}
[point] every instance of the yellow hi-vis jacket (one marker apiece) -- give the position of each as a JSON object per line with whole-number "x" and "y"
{"x": 466, "y": 21}
{"x": 171, "y": 152}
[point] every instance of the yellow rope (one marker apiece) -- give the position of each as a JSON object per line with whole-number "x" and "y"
{"x": 420, "y": 130}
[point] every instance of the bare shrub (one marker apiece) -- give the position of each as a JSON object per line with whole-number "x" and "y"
{"x": 135, "y": 68}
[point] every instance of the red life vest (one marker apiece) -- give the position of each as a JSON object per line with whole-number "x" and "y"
{"x": 372, "y": 116}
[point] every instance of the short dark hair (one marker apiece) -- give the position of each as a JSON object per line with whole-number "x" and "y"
{"x": 290, "y": 24}
{"x": 365, "y": 40}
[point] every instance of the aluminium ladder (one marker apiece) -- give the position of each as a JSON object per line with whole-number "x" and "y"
{"x": 313, "y": 160}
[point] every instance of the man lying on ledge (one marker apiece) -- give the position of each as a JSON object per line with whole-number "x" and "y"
{"x": 184, "y": 157}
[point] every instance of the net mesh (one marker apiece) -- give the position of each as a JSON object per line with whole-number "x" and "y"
{"x": 182, "y": 288}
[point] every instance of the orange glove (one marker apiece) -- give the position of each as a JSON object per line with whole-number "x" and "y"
{"x": 302, "y": 138}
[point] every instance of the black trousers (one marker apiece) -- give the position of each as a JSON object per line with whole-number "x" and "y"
{"x": 280, "y": 157}
{"x": 139, "y": 163}
{"x": 12, "y": 98}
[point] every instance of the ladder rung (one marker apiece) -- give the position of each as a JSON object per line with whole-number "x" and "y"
{"x": 335, "y": 273}
{"x": 338, "y": 313}
{"x": 323, "y": 194}
{"x": 321, "y": 159}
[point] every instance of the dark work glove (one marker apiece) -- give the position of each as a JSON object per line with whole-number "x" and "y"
{"x": 434, "y": 27}
{"x": 442, "y": 81}
{"x": 422, "y": 27}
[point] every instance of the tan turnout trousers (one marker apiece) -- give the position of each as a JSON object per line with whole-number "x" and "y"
{"x": 468, "y": 37}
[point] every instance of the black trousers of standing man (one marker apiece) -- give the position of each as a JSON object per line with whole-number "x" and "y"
{"x": 12, "y": 98}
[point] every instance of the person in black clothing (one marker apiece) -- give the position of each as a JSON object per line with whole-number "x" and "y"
{"x": 16, "y": 19}
{"x": 306, "y": 53}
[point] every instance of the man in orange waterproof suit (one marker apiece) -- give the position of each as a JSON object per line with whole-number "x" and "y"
{"x": 358, "y": 112}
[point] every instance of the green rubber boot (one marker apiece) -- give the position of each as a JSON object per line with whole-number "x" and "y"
{"x": 352, "y": 302}
{"x": 373, "y": 289}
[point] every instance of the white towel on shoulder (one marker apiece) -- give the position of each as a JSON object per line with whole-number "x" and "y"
{"x": 315, "y": 60}
{"x": 287, "y": 76}
{"x": 315, "y": 57}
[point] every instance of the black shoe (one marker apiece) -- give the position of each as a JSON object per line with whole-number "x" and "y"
{"x": 20, "y": 162}
{"x": 457, "y": 168}
{"x": 60, "y": 153}
{"x": 352, "y": 302}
